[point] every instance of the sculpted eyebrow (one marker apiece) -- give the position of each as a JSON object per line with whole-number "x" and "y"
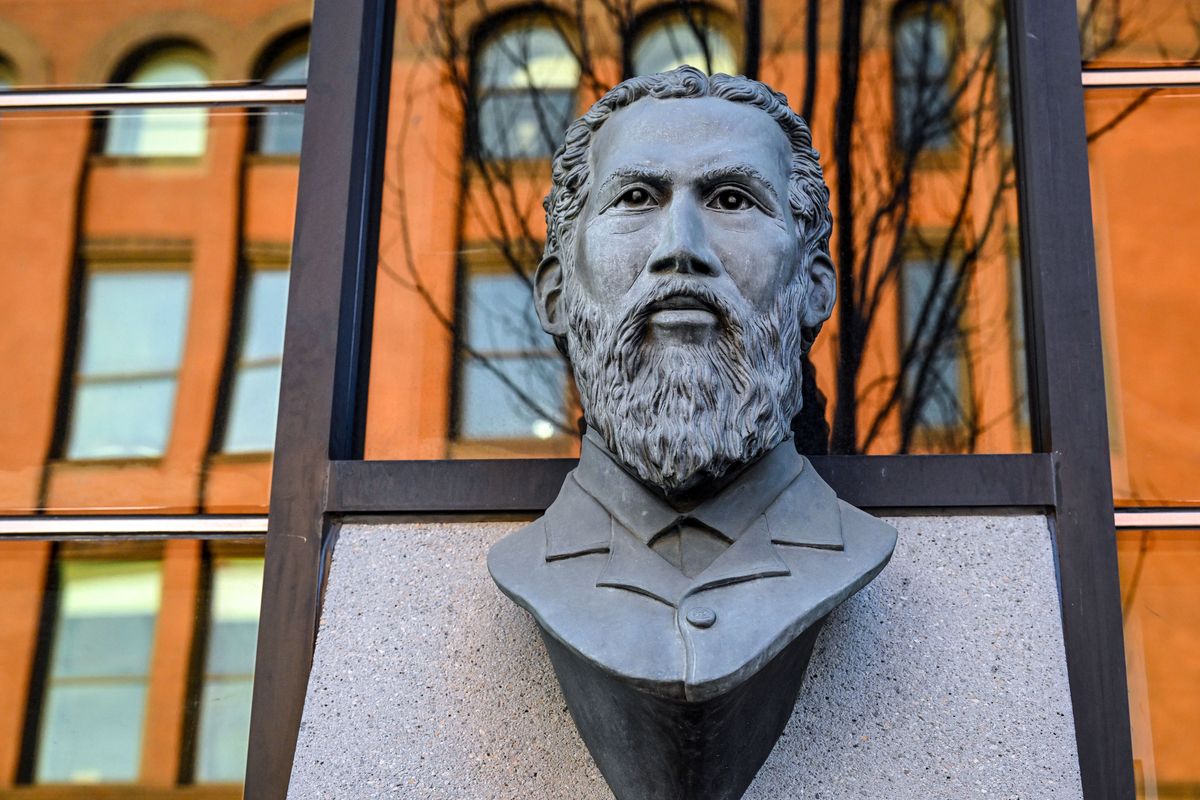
{"x": 626, "y": 174}
{"x": 718, "y": 174}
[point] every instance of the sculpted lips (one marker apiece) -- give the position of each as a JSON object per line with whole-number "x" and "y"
{"x": 682, "y": 310}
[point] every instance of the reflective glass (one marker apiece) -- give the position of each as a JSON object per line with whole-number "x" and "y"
{"x": 133, "y": 328}
{"x": 924, "y": 107}
{"x": 255, "y": 394}
{"x": 447, "y": 208}
{"x": 685, "y": 38}
{"x": 124, "y": 317}
{"x": 52, "y": 43}
{"x": 280, "y": 132}
{"x": 129, "y": 662}
{"x": 527, "y": 77}
{"x": 166, "y": 131}
{"x": 224, "y": 729}
{"x": 1148, "y": 33}
{"x": 1145, "y": 167}
{"x": 931, "y": 304}
{"x": 1160, "y": 592}
{"x": 93, "y": 718}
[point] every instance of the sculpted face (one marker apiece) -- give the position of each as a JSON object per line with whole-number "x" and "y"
{"x": 688, "y": 189}
{"x": 685, "y": 288}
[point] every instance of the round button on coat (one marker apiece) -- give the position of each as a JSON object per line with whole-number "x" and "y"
{"x": 701, "y": 616}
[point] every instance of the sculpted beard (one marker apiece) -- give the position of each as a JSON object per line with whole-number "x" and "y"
{"x": 678, "y": 414}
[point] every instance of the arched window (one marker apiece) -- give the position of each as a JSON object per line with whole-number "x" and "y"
{"x": 8, "y": 75}
{"x": 161, "y": 131}
{"x": 280, "y": 128}
{"x": 921, "y": 69}
{"x": 683, "y": 37}
{"x": 526, "y": 77}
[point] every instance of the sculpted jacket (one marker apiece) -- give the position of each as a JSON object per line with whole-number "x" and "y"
{"x": 587, "y": 572}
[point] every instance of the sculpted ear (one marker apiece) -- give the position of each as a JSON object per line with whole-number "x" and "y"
{"x": 547, "y": 294}
{"x": 822, "y": 290}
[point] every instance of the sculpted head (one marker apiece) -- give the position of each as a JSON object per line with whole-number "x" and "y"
{"x": 686, "y": 270}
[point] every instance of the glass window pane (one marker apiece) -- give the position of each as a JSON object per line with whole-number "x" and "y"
{"x": 524, "y": 124}
{"x": 253, "y": 408}
{"x": 92, "y": 734}
{"x": 501, "y": 316}
{"x": 95, "y": 702}
{"x": 121, "y": 278}
{"x": 224, "y": 726}
{"x": 280, "y": 131}
{"x": 530, "y": 55}
{"x": 956, "y": 183}
{"x": 266, "y": 308}
{"x": 677, "y": 40}
{"x": 1151, "y": 33}
{"x": 133, "y": 322}
{"x": 123, "y": 418}
{"x": 931, "y": 318}
{"x": 133, "y": 329}
{"x": 1144, "y": 170}
{"x": 924, "y": 106}
{"x": 513, "y": 398}
{"x": 1160, "y": 592}
{"x": 167, "y": 131}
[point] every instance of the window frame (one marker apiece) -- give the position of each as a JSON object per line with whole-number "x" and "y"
{"x": 320, "y": 479}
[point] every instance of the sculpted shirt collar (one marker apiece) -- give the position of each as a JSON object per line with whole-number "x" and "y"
{"x": 777, "y": 500}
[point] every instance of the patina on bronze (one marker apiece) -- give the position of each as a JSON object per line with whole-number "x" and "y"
{"x": 683, "y": 573}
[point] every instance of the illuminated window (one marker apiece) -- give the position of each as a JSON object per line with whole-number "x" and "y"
{"x": 684, "y": 37}
{"x": 279, "y": 130}
{"x": 254, "y": 392}
{"x": 526, "y": 77}
{"x": 228, "y": 681}
{"x": 921, "y": 66}
{"x": 161, "y": 131}
{"x": 132, "y": 335}
{"x": 96, "y": 685}
{"x": 512, "y": 380}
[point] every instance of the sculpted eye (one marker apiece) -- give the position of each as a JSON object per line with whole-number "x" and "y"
{"x": 731, "y": 200}
{"x": 635, "y": 199}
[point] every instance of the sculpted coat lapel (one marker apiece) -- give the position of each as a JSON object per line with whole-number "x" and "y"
{"x": 617, "y": 615}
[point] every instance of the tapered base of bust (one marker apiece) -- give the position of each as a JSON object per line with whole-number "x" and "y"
{"x": 651, "y": 746}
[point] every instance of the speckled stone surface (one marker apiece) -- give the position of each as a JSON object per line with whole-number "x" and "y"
{"x": 945, "y": 678}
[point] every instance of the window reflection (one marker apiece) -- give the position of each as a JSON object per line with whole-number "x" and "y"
{"x": 127, "y": 662}
{"x": 132, "y": 341}
{"x": 931, "y": 344}
{"x": 280, "y": 131}
{"x": 227, "y": 683}
{"x": 1160, "y": 592}
{"x": 685, "y": 37}
{"x": 254, "y": 398}
{"x": 922, "y": 61}
{"x": 527, "y": 77}
{"x": 162, "y": 131}
{"x": 99, "y": 671}
{"x": 931, "y": 74}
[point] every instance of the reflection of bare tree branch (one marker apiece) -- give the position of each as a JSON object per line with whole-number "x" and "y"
{"x": 417, "y": 284}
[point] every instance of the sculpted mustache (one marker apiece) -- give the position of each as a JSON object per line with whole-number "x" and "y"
{"x": 636, "y": 319}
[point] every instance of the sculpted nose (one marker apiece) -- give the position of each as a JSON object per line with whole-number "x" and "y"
{"x": 683, "y": 246}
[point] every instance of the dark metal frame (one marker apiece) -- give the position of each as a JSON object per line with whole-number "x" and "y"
{"x": 319, "y": 477}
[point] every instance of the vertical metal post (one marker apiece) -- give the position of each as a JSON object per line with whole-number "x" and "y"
{"x": 1067, "y": 378}
{"x": 334, "y": 255}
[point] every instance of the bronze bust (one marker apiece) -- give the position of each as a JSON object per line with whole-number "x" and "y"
{"x": 682, "y": 574}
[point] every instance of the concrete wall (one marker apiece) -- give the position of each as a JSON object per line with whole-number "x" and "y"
{"x": 945, "y": 678}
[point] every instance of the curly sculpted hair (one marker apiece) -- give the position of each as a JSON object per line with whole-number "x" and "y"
{"x": 808, "y": 194}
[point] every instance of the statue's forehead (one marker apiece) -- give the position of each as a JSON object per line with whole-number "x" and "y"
{"x": 692, "y": 134}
